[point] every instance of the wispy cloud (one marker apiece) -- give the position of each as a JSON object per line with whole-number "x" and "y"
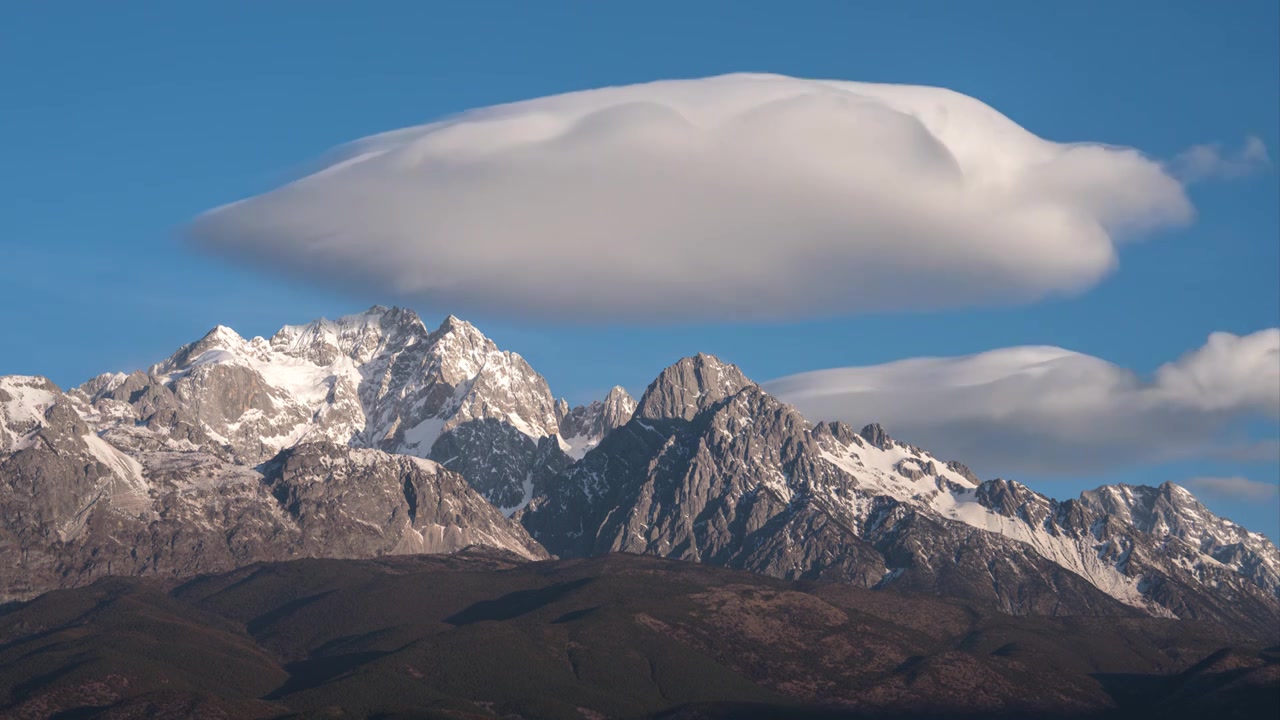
{"x": 1210, "y": 162}
{"x": 1256, "y": 451}
{"x": 1234, "y": 488}
{"x": 1049, "y": 410}
{"x": 732, "y": 197}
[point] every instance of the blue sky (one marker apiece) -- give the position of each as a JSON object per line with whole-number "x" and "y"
{"x": 124, "y": 122}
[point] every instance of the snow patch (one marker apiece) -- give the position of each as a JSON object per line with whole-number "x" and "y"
{"x": 23, "y": 414}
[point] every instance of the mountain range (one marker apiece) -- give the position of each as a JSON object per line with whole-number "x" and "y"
{"x": 372, "y": 435}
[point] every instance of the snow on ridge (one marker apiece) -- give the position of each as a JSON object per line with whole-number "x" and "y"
{"x": 356, "y": 367}
{"x": 22, "y": 413}
{"x": 122, "y": 465}
{"x": 877, "y": 472}
{"x": 578, "y": 446}
{"x": 357, "y": 335}
{"x": 420, "y": 437}
{"x": 1076, "y": 555}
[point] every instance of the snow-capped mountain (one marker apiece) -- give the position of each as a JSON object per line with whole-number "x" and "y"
{"x": 81, "y": 497}
{"x": 713, "y": 469}
{"x": 372, "y": 434}
{"x": 317, "y": 441}
{"x": 378, "y": 379}
{"x": 23, "y": 402}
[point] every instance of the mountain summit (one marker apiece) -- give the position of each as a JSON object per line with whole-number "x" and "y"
{"x": 713, "y": 469}
{"x": 378, "y": 379}
{"x": 585, "y": 426}
{"x": 690, "y": 386}
{"x": 372, "y": 435}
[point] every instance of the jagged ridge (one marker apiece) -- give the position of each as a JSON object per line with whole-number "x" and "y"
{"x": 706, "y": 466}
{"x": 713, "y": 469}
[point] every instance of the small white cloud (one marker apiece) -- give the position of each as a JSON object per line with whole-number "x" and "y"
{"x": 732, "y": 197}
{"x": 1049, "y": 410}
{"x": 1234, "y": 488}
{"x": 1209, "y": 162}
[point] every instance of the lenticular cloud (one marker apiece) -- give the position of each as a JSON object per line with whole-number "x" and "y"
{"x": 1047, "y": 410}
{"x": 732, "y": 197}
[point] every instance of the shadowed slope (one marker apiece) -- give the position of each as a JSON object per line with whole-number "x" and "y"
{"x": 480, "y": 634}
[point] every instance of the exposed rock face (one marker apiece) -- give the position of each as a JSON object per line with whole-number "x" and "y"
{"x": 690, "y": 386}
{"x": 355, "y": 503}
{"x": 74, "y": 506}
{"x": 321, "y": 442}
{"x": 712, "y": 468}
{"x": 583, "y": 427}
{"x": 1178, "y": 555}
{"x": 502, "y": 463}
{"x": 138, "y": 412}
{"x": 378, "y": 380}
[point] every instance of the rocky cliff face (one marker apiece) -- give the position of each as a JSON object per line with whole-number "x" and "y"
{"x": 1156, "y": 548}
{"x": 688, "y": 387}
{"x": 371, "y": 435}
{"x": 583, "y": 427}
{"x": 713, "y": 469}
{"x": 75, "y": 506}
{"x": 379, "y": 380}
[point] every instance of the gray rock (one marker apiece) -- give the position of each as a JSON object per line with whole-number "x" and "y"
{"x": 357, "y": 503}
{"x": 713, "y": 469}
{"x": 583, "y": 427}
{"x": 600, "y": 417}
{"x": 491, "y": 453}
{"x": 75, "y": 507}
{"x": 378, "y": 379}
{"x": 234, "y": 451}
{"x": 690, "y": 386}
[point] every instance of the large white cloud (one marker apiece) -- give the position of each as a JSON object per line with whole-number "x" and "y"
{"x": 1049, "y": 410}
{"x": 740, "y": 196}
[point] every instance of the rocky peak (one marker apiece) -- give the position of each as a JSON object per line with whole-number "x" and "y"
{"x": 462, "y": 331}
{"x": 462, "y": 350}
{"x": 600, "y": 417}
{"x": 493, "y": 383}
{"x": 453, "y": 323}
{"x": 619, "y": 406}
{"x": 380, "y": 334}
{"x": 375, "y": 379}
{"x": 583, "y": 427}
{"x": 1170, "y": 510}
{"x": 360, "y": 336}
{"x": 12, "y": 386}
{"x": 97, "y": 386}
{"x": 690, "y": 386}
{"x": 1149, "y": 509}
{"x": 220, "y": 337}
{"x": 379, "y": 503}
{"x": 838, "y": 431}
{"x": 876, "y": 436}
{"x": 963, "y": 470}
{"x": 1008, "y": 497}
